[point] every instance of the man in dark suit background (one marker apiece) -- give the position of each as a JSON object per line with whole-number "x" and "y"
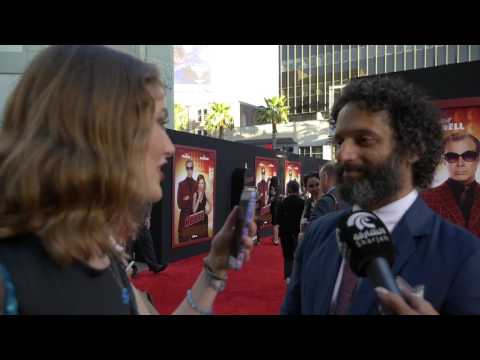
{"x": 289, "y": 213}
{"x": 186, "y": 189}
{"x": 331, "y": 200}
{"x": 389, "y": 139}
{"x": 458, "y": 198}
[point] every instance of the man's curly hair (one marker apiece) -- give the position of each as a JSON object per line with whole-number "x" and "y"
{"x": 414, "y": 119}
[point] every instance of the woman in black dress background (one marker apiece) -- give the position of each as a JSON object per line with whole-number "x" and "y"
{"x": 274, "y": 198}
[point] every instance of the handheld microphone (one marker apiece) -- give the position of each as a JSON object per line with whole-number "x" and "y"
{"x": 365, "y": 242}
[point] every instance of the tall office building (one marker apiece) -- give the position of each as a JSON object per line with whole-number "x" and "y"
{"x": 312, "y": 76}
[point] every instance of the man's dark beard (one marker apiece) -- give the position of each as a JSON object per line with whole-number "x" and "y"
{"x": 376, "y": 184}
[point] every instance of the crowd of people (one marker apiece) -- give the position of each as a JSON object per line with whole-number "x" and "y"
{"x": 81, "y": 155}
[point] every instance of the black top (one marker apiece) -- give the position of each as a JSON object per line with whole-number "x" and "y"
{"x": 274, "y": 205}
{"x": 289, "y": 215}
{"x": 309, "y": 206}
{"x": 463, "y": 195}
{"x": 41, "y": 286}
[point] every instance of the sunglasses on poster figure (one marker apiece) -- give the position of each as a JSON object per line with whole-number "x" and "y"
{"x": 468, "y": 156}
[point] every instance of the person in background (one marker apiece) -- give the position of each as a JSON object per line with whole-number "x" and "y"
{"x": 257, "y": 239}
{"x": 289, "y": 214}
{"x": 458, "y": 198}
{"x": 141, "y": 246}
{"x": 331, "y": 200}
{"x": 274, "y": 199}
{"x": 304, "y": 193}
{"x": 82, "y": 150}
{"x": 312, "y": 182}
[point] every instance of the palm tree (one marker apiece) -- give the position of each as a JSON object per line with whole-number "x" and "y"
{"x": 181, "y": 117}
{"x": 219, "y": 118}
{"x": 275, "y": 112}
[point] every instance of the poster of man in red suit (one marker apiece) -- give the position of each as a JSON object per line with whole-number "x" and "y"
{"x": 265, "y": 169}
{"x": 262, "y": 188}
{"x": 293, "y": 171}
{"x": 194, "y": 188}
{"x": 455, "y": 194}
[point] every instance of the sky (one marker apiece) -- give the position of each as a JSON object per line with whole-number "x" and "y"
{"x": 247, "y": 73}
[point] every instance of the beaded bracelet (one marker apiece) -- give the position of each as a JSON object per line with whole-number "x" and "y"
{"x": 195, "y": 306}
{"x": 209, "y": 271}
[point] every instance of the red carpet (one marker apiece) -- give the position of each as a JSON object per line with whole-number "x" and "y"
{"x": 257, "y": 289}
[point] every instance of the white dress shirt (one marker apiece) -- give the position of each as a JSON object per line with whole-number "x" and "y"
{"x": 390, "y": 215}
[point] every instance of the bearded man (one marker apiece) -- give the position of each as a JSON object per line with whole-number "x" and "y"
{"x": 389, "y": 140}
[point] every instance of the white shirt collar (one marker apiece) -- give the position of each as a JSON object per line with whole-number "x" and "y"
{"x": 392, "y": 213}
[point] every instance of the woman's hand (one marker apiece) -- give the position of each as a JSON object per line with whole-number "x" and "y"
{"x": 222, "y": 243}
{"x": 208, "y": 208}
{"x": 208, "y": 195}
{"x": 409, "y": 303}
{"x": 194, "y": 203}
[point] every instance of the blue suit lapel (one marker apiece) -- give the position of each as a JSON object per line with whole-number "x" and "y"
{"x": 413, "y": 224}
{"x": 404, "y": 245}
{"x": 326, "y": 275}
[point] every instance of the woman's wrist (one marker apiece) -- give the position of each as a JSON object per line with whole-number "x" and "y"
{"x": 201, "y": 299}
{"x": 195, "y": 306}
{"x": 212, "y": 265}
{"x": 214, "y": 280}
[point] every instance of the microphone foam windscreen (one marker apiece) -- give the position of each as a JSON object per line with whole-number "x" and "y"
{"x": 362, "y": 237}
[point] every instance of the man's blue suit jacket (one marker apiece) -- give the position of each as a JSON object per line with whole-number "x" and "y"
{"x": 429, "y": 251}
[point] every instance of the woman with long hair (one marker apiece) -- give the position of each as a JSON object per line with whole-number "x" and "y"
{"x": 81, "y": 154}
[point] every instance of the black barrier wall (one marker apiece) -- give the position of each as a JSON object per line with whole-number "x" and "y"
{"x": 230, "y": 155}
{"x": 445, "y": 82}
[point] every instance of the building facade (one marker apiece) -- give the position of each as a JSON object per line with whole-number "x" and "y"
{"x": 308, "y": 138}
{"x": 206, "y": 74}
{"x": 15, "y": 58}
{"x": 243, "y": 114}
{"x": 312, "y": 76}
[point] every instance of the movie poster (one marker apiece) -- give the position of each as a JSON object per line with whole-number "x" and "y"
{"x": 194, "y": 195}
{"x": 455, "y": 190}
{"x": 293, "y": 171}
{"x": 457, "y": 121}
{"x": 265, "y": 169}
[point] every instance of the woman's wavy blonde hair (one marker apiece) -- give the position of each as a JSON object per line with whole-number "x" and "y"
{"x": 72, "y": 149}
